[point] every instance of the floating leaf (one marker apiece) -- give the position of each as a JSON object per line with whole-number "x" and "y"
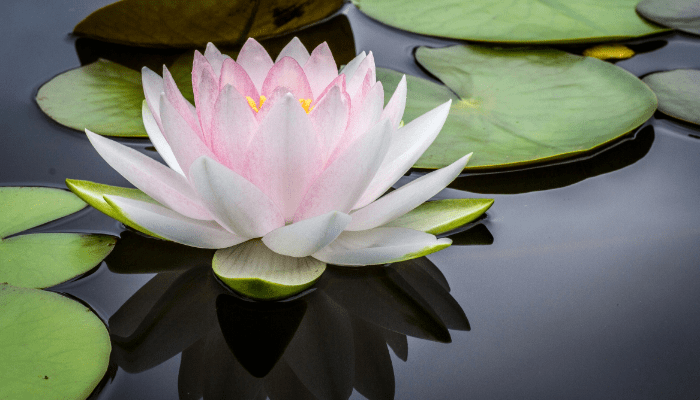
{"x": 103, "y": 96}
{"x": 678, "y": 92}
{"x": 256, "y": 271}
{"x": 44, "y": 259}
{"x": 440, "y": 216}
{"x": 183, "y": 23}
{"x": 520, "y": 106}
{"x": 683, "y": 15}
{"x": 527, "y": 21}
{"x": 609, "y": 52}
{"x": 52, "y": 347}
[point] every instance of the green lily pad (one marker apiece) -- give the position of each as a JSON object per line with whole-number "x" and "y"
{"x": 678, "y": 92}
{"x": 185, "y": 24}
{"x": 440, "y": 216}
{"x": 103, "y": 96}
{"x": 521, "y": 106}
{"x": 93, "y": 194}
{"x": 527, "y": 21}
{"x": 683, "y": 15}
{"x": 44, "y": 259}
{"x": 254, "y": 270}
{"x": 52, "y": 347}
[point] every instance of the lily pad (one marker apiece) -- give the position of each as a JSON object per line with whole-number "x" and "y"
{"x": 254, "y": 270}
{"x": 183, "y": 23}
{"x": 44, "y": 259}
{"x": 678, "y": 92}
{"x": 103, "y": 96}
{"x": 52, "y": 347}
{"x": 526, "y": 21}
{"x": 683, "y": 15}
{"x": 520, "y": 106}
{"x": 441, "y": 216}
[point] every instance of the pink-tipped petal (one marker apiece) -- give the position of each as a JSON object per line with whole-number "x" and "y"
{"x": 349, "y": 69}
{"x": 256, "y": 62}
{"x": 406, "y": 198}
{"x": 156, "y": 135}
{"x": 285, "y": 156}
{"x": 173, "y": 226}
{"x": 234, "y": 75}
{"x": 205, "y": 99}
{"x": 395, "y": 107}
{"x": 364, "y": 116}
{"x": 287, "y": 73}
{"x": 152, "y": 88}
{"x": 380, "y": 246}
{"x": 330, "y": 118}
{"x": 306, "y": 237}
{"x": 153, "y": 178}
{"x": 345, "y": 179}
{"x": 295, "y": 49}
{"x": 339, "y": 82}
{"x": 358, "y": 77}
{"x": 407, "y": 145}
{"x": 233, "y": 126}
{"x": 234, "y": 202}
{"x": 215, "y": 58}
{"x": 183, "y": 107}
{"x": 320, "y": 68}
{"x": 185, "y": 142}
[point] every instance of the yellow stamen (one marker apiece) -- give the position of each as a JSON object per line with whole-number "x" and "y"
{"x": 253, "y": 105}
{"x": 306, "y": 103}
{"x": 262, "y": 100}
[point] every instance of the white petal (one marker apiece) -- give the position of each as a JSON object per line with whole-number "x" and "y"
{"x": 152, "y": 88}
{"x": 151, "y": 177}
{"x": 156, "y": 135}
{"x": 407, "y": 145}
{"x": 215, "y": 58}
{"x": 295, "y": 49}
{"x": 235, "y": 203}
{"x": 406, "y": 198}
{"x": 255, "y": 60}
{"x": 306, "y": 237}
{"x": 395, "y": 107}
{"x": 349, "y": 69}
{"x": 173, "y": 226}
{"x": 380, "y": 246}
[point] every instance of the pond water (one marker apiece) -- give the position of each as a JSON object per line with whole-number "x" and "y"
{"x": 582, "y": 281}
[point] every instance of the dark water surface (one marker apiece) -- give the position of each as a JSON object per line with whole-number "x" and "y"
{"x": 583, "y": 281}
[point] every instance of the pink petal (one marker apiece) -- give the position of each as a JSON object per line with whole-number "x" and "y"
{"x": 200, "y": 65}
{"x": 287, "y": 73}
{"x": 406, "y": 198}
{"x": 151, "y": 177}
{"x": 355, "y": 82}
{"x": 233, "y": 126}
{"x": 233, "y": 201}
{"x": 345, "y": 179}
{"x": 256, "y": 62}
{"x": 270, "y": 102}
{"x": 186, "y": 110}
{"x": 351, "y": 67}
{"x": 330, "y": 118}
{"x": 363, "y": 117}
{"x": 205, "y": 99}
{"x": 215, "y": 58}
{"x": 338, "y": 81}
{"x": 285, "y": 157}
{"x": 306, "y": 237}
{"x": 155, "y": 133}
{"x": 320, "y": 69}
{"x": 395, "y": 107}
{"x": 295, "y": 49}
{"x": 183, "y": 140}
{"x": 152, "y": 88}
{"x": 234, "y": 75}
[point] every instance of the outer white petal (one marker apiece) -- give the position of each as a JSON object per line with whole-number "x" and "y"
{"x": 151, "y": 177}
{"x": 158, "y": 140}
{"x": 173, "y": 226}
{"x": 380, "y": 246}
{"x": 235, "y": 203}
{"x": 397, "y": 104}
{"x": 306, "y": 237}
{"x": 408, "y": 144}
{"x": 351, "y": 67}
{"x": 152, "y": 88}
{"x": 406, "y": 198}
{"x": 295, "y": 49}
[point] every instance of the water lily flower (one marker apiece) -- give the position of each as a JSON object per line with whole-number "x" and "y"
{"x": 281, "y": 165}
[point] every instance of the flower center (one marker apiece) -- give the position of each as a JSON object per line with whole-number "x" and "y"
{"x": 305, "y": 103}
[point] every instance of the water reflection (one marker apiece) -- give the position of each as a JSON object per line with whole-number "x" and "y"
{"x": 320, "y": 345}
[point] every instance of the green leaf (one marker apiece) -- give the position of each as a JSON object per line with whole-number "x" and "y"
{"x": 520, "y": 106}
{"x": 52, "y": 347}
{"x": 683, "y": 15}
{"x": 103, "y": 96}
{"x": 678, "y": 92}
{"x": 46, "y": 259}
{"x": 527, "y": 21}
{"x": 22, "y": 208}
{"x": 254, "y": 270}
{"x": 92, "y": 193}
{"x": 440, "y": 216}
{"x": 186, "y": 24}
